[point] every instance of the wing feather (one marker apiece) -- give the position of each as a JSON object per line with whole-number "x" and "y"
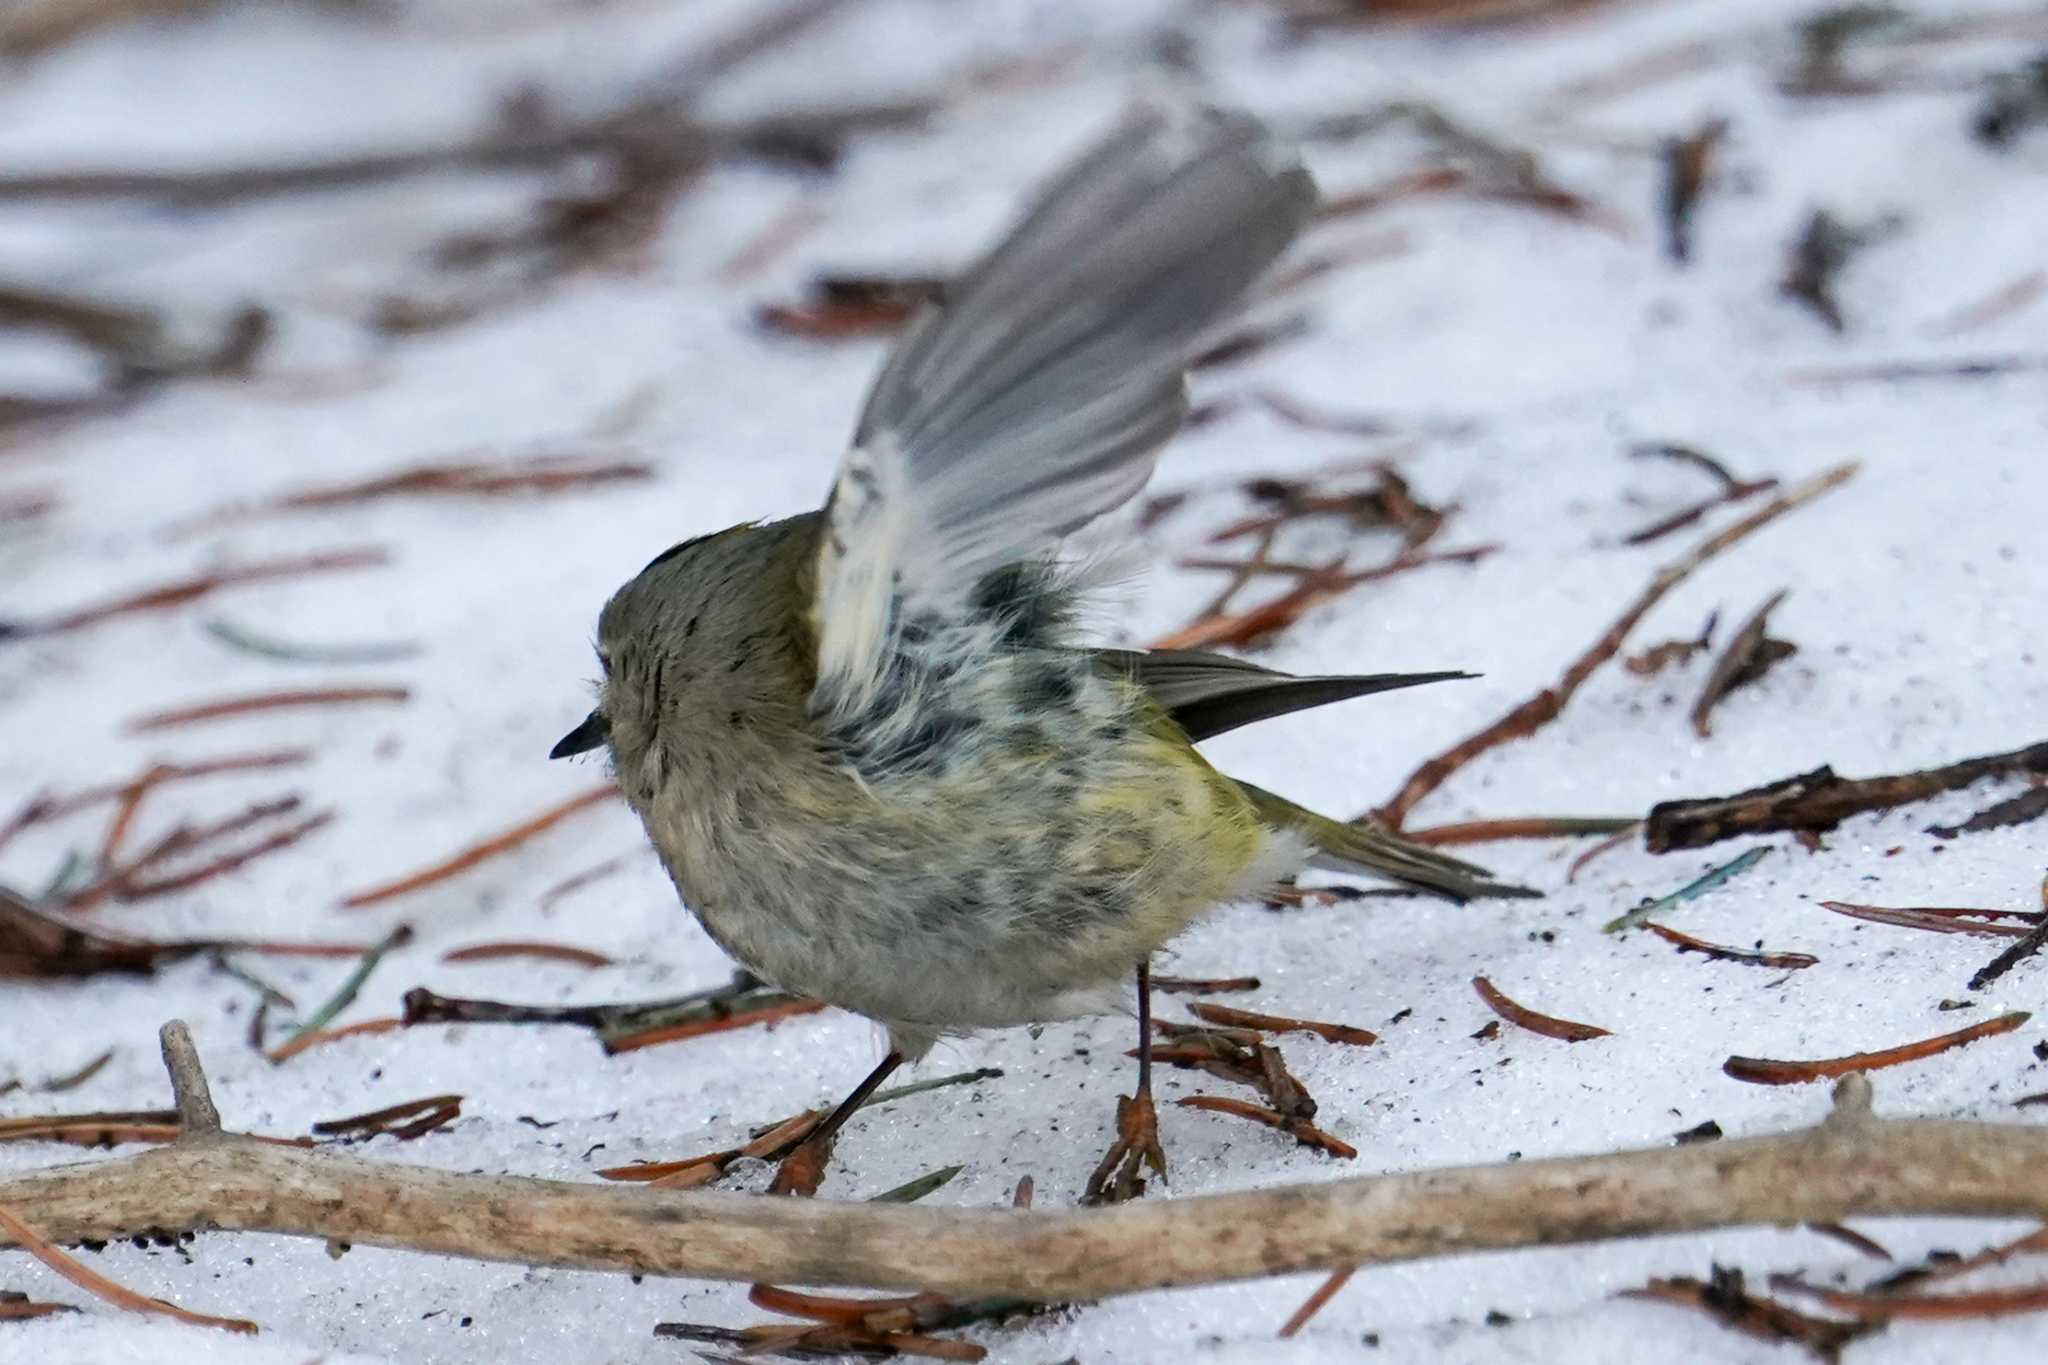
{"x": 1036, "y": 398}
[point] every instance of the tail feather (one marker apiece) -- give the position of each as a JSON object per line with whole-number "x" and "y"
{"x": 1362, "y": 848}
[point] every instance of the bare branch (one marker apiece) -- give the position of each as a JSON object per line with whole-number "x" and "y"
{"x": 196, "y": 1115}
{"x": 1820, "y": 1174}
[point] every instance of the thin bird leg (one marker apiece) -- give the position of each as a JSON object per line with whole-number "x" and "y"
{"x": 816, "y": 1147}
{"x": 1118, "y": 1177}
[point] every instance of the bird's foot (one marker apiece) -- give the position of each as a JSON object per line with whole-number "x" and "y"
{"x": 1120, "y": 1177}
{"x": 802, "y": 1168}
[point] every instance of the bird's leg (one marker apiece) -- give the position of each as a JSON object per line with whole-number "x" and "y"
{"x": 803, "y": 1165}
{"x": 1118, "y": 1176}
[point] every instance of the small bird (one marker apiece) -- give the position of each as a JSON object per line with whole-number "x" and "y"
{"x": 877, "y": 759}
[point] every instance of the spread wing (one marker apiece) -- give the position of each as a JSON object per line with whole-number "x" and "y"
{"x": 1036, "y": 397}
{"x": 1207, "y": 694}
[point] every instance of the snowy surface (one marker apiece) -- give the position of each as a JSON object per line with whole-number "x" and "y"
{"x": 1514, "y": 354}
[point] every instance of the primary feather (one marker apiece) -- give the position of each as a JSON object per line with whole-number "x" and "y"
{"x": 1037, "y": 397}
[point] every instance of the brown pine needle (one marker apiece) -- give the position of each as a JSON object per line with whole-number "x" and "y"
{"x": 1321, "y": 585}
{"x": 1765, "y": 1071}
{"x": 1607, "y": 845}
{"x": 1993, "y": 307}
{"x": 1725, "y": 1297}
{"x": 185, "y": 590}
{"x": 1686, "y": 943}
{"x": 546, "y": 952}
{"x": 92, "y": 1282}
{"x": 473, "y": 478}
{"x": 479, "y": 853}
{"x": 1301, "y": 1130}
{"x": 410, "y": 1119}
{"x": 44, "y": 809}
{"x": 1531, "y": 715}
{"x": 344, "y": 995}
{"x": 94, "y": 1130}
{"x": 134, "y": 888}
{"x": 1313, "y": 1305}
{"x": 267, "y": 701}
{"x": 697, "y": 1028}
{"x": 1935, "y": 919}
{"x": 1212, "y": 985}
{"x": 1748, "y": 655}
{"x": 1523, "y": 827}
{"x": 1275, "y": 1023}
{"x": 1523, "y": 1017}
{"x": 1984, "y": 1303}
{"x": 303, "y": 1041}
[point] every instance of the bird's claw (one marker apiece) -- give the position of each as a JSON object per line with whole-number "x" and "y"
{"x": 1118, "y": 1178}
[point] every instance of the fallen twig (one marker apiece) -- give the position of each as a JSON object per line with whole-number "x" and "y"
{"x": 2025, "y": 808}
{"x": 2017, "y": 952}
{"x": 1521, "y": 1016}
{"x": 1818, "y": 801}
{"x": 625, "y": 1027}
{"x": 1853, "y": 1165}
{"x": 1765, "y": 1071}
{"x": 1524, "y": 720}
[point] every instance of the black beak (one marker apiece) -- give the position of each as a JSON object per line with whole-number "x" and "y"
{"x": 594, "y": 731}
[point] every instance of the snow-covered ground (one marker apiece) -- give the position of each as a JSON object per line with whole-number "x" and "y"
{"x": 1515, "y": 355}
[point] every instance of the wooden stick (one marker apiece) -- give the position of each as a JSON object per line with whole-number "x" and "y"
{"x": 1852, "y": 1165}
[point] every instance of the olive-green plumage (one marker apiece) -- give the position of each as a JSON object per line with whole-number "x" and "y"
{"x": 876, "y": 757}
